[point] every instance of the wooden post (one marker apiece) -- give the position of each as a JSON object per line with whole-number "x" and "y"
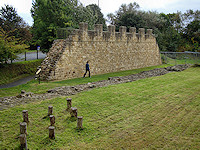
{"x": 73, "y": 112}
{"x": 25, "y": 56}
{"x": 37, "y": 53}
{"x": 50, "y": 110}
{"x": 69, "y": 104}
{"x": 52, "y": 120}
{"x": 23, "y": 142}
{"x": 23, "y": 128}
{"x": 51, "y": 132}
{"x": 79, "y": 122}
{"x": 25, "y": 116}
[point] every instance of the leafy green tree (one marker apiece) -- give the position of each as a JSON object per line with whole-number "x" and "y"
{"x": 127, "y": 15}
{"x": 11, "y": 21}
{"x": 9, "y": 46}
{"x": 169, "y": 37}
{"x": 48, "y": 15}
{"x": 192, "y": 36}
{"x": 90, "y": 14}
{"x": 83, "y": 14}
{"x": 191, "y": 31}
{"x": 167, "y": 28}
{"x": 96, "y": 11}
{"x": 14, "y": 32}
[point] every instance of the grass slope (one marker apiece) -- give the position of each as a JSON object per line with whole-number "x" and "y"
{"x": 35, "y": 87}
{"x": 12, "y": 72}
{"x": 153, "y": 113}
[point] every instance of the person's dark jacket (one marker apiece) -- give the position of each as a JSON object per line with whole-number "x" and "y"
{"x": 87, "y": 67}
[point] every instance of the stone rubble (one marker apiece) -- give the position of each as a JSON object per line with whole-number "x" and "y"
{"x": 26, "y": 97}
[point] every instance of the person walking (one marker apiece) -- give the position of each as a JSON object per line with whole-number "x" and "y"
{"x": 87, "y": 67}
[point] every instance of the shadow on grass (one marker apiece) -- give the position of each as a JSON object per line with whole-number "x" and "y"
{"x": 46, "y": 117}
{"x": 79, "y": 129}
{"x": 71, "y": 119}
{"x": 47, "y": 140}
{"x": 196, "y": 65}
{"x": 18, "y": 147}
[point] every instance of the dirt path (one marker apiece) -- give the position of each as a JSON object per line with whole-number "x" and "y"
{"x": 27, "y": 97}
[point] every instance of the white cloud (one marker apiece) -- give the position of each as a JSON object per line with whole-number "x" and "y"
{"x": 22, "y": 6}
{"x": 110, "y": 6}
{"x": 155, "y": 4}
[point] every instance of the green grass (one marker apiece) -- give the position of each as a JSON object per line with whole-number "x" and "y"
{"x": 31, "y": 51}
{"x": 12, "y": 72}
{"x": 35, "y": 87}
{"x": 154, "y": 113}
{"x": 181, "y": 60}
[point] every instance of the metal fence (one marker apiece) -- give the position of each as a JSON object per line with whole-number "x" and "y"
{"x": 28, "y": 56}
{"x": 180, "y": 57}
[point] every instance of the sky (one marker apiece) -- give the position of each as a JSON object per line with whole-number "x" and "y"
{"x": 110, "y": 6}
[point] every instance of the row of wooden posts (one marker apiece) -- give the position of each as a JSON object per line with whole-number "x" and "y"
{"x": 23, "y": 125}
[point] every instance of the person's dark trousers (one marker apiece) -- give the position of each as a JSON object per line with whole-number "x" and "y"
{"x": 86, "y": 73}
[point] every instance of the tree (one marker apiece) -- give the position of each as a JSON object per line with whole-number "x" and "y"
{"x": 192, "y": 36}
{"x": 124, "y": 12}
{"x": 11, "y": 21}
{"x": 48, "y": 15}
{"x": 14, "y": 32}
{"x": 191, "y": 31}
{"x": 9, "y": 46}
{"x": 83, "y": 14}
{"x": 96, "y": 11}
{"x": 167, "y": 28}
{"x": 169, "y": 37}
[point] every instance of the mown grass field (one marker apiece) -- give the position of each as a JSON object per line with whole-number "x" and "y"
{"x": 35, "y": 87}
{"x": 154, "y": 113}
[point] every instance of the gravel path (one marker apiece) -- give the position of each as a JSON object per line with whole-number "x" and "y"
{"x": 27, "y": 97}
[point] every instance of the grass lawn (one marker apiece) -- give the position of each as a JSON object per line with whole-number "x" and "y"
{"x": 35, "y": 87}
{"x": 180, "y": 60}
{"x": 154, "y": 113}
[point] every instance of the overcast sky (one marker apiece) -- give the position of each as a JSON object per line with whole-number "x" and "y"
{"x": 110, "y": 6}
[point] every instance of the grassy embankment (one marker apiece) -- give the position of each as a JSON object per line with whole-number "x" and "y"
{"x": 154, "y": 113}
{"x": 35, "y": 87}
{"x": 12, "y": 72}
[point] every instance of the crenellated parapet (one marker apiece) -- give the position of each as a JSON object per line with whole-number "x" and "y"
{"x": 107, "y": 51}
{"x": 83, "y": 34}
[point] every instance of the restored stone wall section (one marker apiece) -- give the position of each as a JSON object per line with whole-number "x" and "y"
{"x": 107, "y": 52}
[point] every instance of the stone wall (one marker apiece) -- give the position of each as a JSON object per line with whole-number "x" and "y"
{"x": 108, "y": 51}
